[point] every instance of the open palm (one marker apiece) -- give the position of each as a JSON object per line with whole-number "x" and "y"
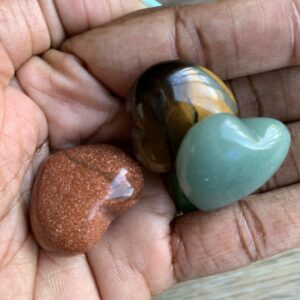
{"x": 74, "y": 93}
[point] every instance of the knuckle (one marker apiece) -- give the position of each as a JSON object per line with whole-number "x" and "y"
{"x": 250, "y": 232}
{"x": 189, "y": 40}
{"x": 294, "y": 16}
{"x": 180, "y": 256}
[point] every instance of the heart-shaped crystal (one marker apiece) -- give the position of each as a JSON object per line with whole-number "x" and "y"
{"x": 165, "y": 102}
{"x": 223, "y": 158}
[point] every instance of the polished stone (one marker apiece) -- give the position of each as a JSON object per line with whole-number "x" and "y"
{"x": 223, "y": 158}
{"x": 181, "y": 202}
{"x": 165, "y": 102}
{"x": 77, "y": 194}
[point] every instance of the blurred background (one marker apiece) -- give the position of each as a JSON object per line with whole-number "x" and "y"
{"x": 277, "y": 278}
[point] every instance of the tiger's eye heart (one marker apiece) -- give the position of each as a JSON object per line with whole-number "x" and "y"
{"x": 223, "y": 158}
{"x": 166, "y": 101}
{"x": 78, "y": 193}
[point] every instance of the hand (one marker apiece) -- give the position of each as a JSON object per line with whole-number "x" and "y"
{"x": 76, "y": 93}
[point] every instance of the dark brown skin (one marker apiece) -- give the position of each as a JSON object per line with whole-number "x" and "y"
{"x": 73, "y": 200}
{"x": 255, "y": 49}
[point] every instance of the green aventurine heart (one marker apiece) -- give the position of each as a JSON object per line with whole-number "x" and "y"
{"x": 223, "y": 158}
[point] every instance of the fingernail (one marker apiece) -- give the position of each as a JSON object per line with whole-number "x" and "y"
{"x": 152, "y": 3}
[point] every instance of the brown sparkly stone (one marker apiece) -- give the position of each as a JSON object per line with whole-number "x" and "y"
{"x": 77, "y": 194}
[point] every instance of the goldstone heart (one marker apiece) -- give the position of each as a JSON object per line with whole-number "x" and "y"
{"x": 223, "y": 158}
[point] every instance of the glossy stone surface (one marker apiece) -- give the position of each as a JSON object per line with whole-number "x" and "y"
{"x": 166, "y": 101}
{"x": 183, "y": 205}
{"x": 78, "y": 193}
{"x": 223, "y": 159}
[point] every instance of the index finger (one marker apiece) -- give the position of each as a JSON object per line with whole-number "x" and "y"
{"x": 250, "y": 230}
{"x": 31, "y": 27}
{"x": 233, "y": 38}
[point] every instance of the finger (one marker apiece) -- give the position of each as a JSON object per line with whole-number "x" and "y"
{"x": 84, "y": 15}
{"x": 136, "y": 249}
{"x": 243, "y": 38}
{"x": 58, "y": 275}
{"x": 44, "y": 23}
{"x": 274, "y": 94}
{"x": 250, "y": 230}
{"x": 77, "y": 107}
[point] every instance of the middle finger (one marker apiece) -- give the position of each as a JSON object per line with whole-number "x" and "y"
{"x": 233, "y": 38}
